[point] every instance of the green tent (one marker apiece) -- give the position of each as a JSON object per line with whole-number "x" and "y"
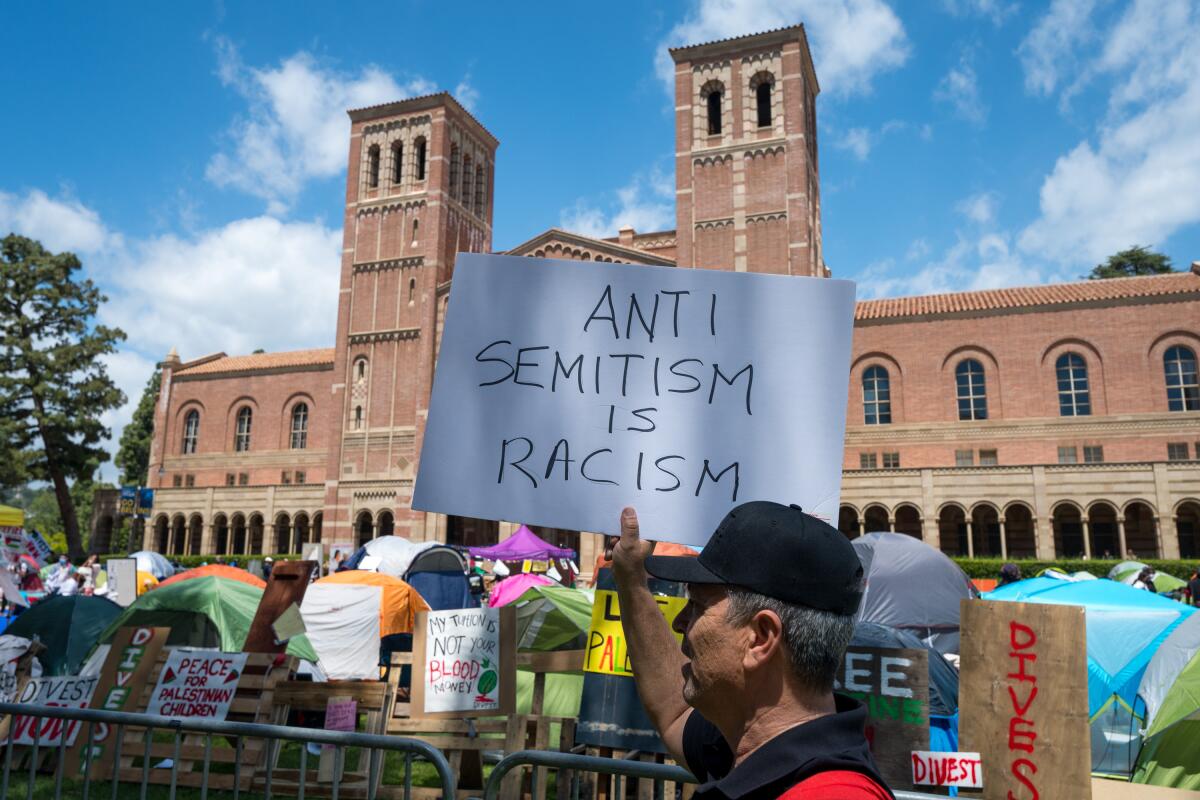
{"x": 1170, "y": 689}
{"x": 202, "y": 612}
{"x": 553, "y": 618}
{"x": 1127, "y": 571}
{"x": 68, "y": 627}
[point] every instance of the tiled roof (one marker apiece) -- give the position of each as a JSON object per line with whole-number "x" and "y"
{"x": 736, "y": 38}
{"x": 261, "y": 361}
{"x": 1054, "y": 294}
{"x": 417, "y": 100}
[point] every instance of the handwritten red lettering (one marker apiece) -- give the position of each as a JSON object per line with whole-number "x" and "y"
{"x": 1021, "y": 727}
{"x": 1025, "y": 780}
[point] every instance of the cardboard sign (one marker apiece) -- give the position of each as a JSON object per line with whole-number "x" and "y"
{"x": 464, "y": 662}
{"x": 894, "y": 686}
{"x": 10, "y": 590}
{"x": 947, "y": 769}
{"x": 1023, "y": 691}
{"x": 197, "y": 684}
{"x": 286, "y": 587}
{"x": 289, "y": 625}
{"x": 341, "y": 714}
{"x": 124, "y": 676}
{"x": 606, "y": 652}
{"x": 122, "y": 580}
{"x": 36, "y": 548}
{"x": 584, "y": 387}
{"x": 53, "y": 692}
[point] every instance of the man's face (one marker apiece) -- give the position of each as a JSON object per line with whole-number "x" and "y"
{"x": 713, "y": 647}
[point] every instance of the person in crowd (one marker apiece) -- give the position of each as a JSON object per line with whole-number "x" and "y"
{"x": 339, "y": 561}
{"x": 86, "y": 576}
{"x": 1009, "y": 573}
{"x": 70, "y": 585}
{"x": 1145, "y": 580}
{"x": 746, "y": 701}
{"x": 92, "y": 562}
{"x": 268, "y": 564}
{"x": 60, "y": 572}
{"x": 29, "y": 579}
{"x": 1194, "y": 587}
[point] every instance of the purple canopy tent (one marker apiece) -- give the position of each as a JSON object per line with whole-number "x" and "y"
{"x": 522, "y": 545}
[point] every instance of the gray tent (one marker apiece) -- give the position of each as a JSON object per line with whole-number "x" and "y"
{"x": 943, "y": 680}
{"x": 912, "y": 587}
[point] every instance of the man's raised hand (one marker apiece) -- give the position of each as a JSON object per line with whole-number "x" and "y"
{"x": 629, "y": 554}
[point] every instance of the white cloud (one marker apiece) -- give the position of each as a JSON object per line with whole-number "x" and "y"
{"x": 467, "y": 94}
{"x": 857, "y": 141}
{"x": 918, "y": 249}
{"x": 1048, "y": 52}
{"x": 1135, "y": 180}
{"x": 59, "y": 224}
{"x": 979, "y": 208}
{"x": 852, "y": 40}
{"x": 995, "y": 10}
{"x": 646, "y": 203}
{"x": 960, "y": 88}
{"x": 295, "y": 127}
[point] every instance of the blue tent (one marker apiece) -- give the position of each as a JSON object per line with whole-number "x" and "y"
{"x": 1124, "y": 628}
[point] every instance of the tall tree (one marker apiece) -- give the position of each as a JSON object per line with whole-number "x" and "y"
{"x": 1136, "y": 260}
{"x": 53, "y": 384}
{"x": 133, "y": 456}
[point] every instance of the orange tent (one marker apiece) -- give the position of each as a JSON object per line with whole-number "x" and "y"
{"x": 219, "y": 571}
{"x": 660, "y": 549}
{"x": 400, "y": 602}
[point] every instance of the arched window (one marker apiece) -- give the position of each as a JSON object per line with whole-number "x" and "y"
{"x": 191, "y": 431}
{"x": 299, "y": 426}
{"x": 479, "y": 193}
{"x": 972, "y": 392}
{"x": 358, "y": 418}
{"x": 241, "y": 439}
{"x": 412, "y": 290}
{"x": 420, "y": 148}
{"x": 373, "y": 166}
{"x": 360, "y": 369}
{"x": 397, "y": 162}
{"x": 763, "y": 95}
{"x": 877, "y": 396}
{"x": 468, "y": 191}
{"x": 455, "y": 170}
{"x": 1183, "y": 389}
{"x": 714, "y": 112}
{"x": 416, "y": 230}
{"x": 1074, "y": 398}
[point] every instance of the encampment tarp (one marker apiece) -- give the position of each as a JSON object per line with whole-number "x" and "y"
{"x": 11, "y": 517}
{"x": 154, "y": 563}
{"x": 1170, "y": 690}
{"x": 511, "y": 588}
{"x": 522, "y": 545}
{"x": 553, "y": 618}
{"x": 69, "y": 627}
{"x": 396, "y": 554}
{"x": 216, "y": 570}
{"x": 205, "y": 612}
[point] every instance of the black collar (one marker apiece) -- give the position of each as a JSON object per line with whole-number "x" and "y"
{"x": 833, "y": 742}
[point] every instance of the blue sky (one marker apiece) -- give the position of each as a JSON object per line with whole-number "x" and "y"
{"x": 193, "y": 154}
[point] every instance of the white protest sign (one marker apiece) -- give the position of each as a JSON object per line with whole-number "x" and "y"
{"x": 582, "y": 387}
{"x": 122, "y": 580}
{"x": 464, "y": 661}
{"x": 197, "y": 683}
{"x": 55, "y": 692}
{"x": 10, "y": 590}
{"x": 947, "y": 769}
{"x": 37, "y": 548}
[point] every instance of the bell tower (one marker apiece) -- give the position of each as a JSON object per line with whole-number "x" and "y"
{"x": 418, "y": 192}
{"x": 747, "y": 190}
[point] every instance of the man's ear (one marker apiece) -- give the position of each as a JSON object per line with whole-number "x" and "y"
{"x": 765, "y": 629}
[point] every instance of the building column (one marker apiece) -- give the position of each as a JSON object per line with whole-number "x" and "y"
{"x": 892, "y": 524}
{"x": 1003, "y": 540}
{"x": 1167, "y": 534}
{"x": 929, "y": 520}
{"x": 1121, "y": 549}
{"x": 929, "y": 531}
{"x": 1043, "y": 524}
{"x": 1087, "y": 537}
{"x": 970, "y": 537}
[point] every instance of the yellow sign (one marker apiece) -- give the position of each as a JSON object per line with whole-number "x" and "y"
{"x": 606, "y": 651}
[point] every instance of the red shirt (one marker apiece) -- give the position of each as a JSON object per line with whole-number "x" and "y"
{"x": 836, "y": 785}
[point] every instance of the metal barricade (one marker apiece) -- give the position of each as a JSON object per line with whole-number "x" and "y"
{"x": 660, "y": 774}
{"x": 375, "y": 745}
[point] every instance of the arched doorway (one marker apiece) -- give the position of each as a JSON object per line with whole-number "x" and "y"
{"x": 178, "y": 531}
{"x": 300, "y": 532}
{"x": 161, "y": 532}
{"x": 848, "y": 522}
{"x": 387, "y": 523}
{"x": 471, "y": 532}
{"x": 1187, "y": 526}
{"x": 875, "y": 519}
{"x": 908, "y": 520}
{"x": 256, "y": 534}
{"x": 1102, "y": 530}
{"x": 318, "y": 518}
{"x": 195, "y": 534}
{"x": 985, "y": 531}
{"x": 1068, "y": 531}
{"x": 1019, "y": 531}
{"x": 1141, "y": 534}
{"x": 952, "y": 530}
{"x": 239, "y": 534}
{"x": 220, "y": 534}
{"x": 364, "y": 528}
{"x": 283, "y": 533}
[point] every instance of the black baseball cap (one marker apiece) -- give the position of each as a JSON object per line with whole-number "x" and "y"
{"x": 778, "y": 551}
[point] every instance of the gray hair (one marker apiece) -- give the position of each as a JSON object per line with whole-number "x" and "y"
{"x": 815, "y": 640}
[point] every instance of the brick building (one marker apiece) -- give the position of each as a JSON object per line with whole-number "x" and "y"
{"x": 1048, "y": 420}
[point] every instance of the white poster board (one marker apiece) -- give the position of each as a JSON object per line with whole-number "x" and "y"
{"x": 37, "y": 548}
{"x": 197, "y": 684}
{"x": 55, "y": 692}
{"x": 122, "y": 580}
{"x": 461, "y": 665}
{"x": 581, "y": 387}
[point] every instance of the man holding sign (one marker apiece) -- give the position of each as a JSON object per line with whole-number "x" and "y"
{"x": 747, "y": 701}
